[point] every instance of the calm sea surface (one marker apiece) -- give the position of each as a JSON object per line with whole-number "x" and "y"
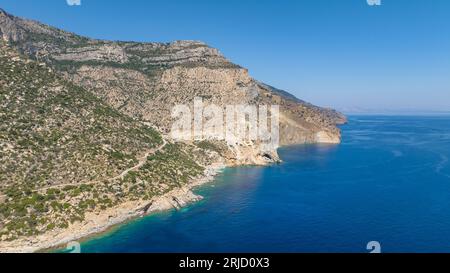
{"x": 389, "y": 181}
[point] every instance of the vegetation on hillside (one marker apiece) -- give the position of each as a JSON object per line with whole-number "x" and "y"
{"x": 61, "y": 149}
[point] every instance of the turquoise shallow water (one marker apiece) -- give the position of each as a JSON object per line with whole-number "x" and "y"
{"x": 389, "y": 181}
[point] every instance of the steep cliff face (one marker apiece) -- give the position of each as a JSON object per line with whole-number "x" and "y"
{"x": 146, "y": 80}
{"x": 65, "y": 153}
{"x": 78, "y": 137}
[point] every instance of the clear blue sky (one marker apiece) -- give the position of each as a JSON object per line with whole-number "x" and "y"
{"x": 338, "y": 53}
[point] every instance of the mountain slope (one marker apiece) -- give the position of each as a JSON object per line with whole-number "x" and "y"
{"x": 65, "y": 153}
{"x": 145, "y": 80}
{"x": 85, "y": 122}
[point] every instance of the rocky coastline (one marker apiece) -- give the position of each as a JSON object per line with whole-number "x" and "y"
{"x": 100, "y": 221}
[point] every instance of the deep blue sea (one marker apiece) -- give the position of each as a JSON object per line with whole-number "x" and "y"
{"x": 389, "y": 181}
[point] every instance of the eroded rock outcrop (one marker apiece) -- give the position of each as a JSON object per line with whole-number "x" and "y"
{"x": 146, "y": 80}
{"x": 79, "y": 149}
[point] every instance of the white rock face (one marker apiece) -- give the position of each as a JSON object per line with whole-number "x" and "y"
{"x": 143, "y": 81}
{"x": 326, "y": 137}
{"x": 146, "y": 80}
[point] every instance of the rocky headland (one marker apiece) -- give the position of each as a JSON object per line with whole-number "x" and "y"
{"x": 84, "y": 138}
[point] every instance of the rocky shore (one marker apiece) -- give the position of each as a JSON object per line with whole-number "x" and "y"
{"x": 81, "y": 117}
{"x": 101, "y": 221}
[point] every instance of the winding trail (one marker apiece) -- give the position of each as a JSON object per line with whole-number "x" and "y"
{"x": 141, "y": 163}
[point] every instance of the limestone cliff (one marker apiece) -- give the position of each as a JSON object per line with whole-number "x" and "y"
{"x": 78, "y": 146}
{"x": 145, "y": 80}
